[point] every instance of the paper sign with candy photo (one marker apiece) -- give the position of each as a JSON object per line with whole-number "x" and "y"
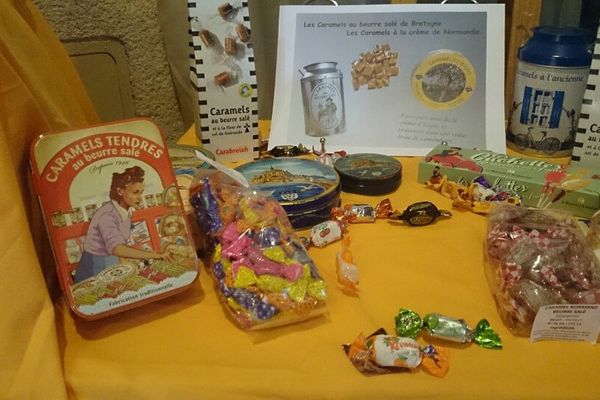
{"x": 395, "y": 80}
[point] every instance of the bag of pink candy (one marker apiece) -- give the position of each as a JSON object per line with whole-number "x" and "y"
{"x": 539, "y": 257}
{"x": 262, "y": 272}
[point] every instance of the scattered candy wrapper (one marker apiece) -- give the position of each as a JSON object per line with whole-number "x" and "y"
{"x": 409, "y": 324}
{"x": 539, "y": 257}
{"x": 287, "y": 151}
{"x": 361, "y": 213}
{"x": 418, "y": 214}
{"x": 347, "y": 271}
{"x": 332, "y": 230}
{"x": 325, "y": 233}
{"x": 263, "y": 274}
{"x": 478, "y": 196}
{"x": 380, "y": 353}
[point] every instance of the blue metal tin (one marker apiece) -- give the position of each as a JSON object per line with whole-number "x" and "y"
{"x": 306, "y": 189}
{"x": 558, "y": 47}
{"x": 550, "y": 81}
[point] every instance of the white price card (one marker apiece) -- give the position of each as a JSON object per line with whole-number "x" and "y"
{"x": 576, "y": 322}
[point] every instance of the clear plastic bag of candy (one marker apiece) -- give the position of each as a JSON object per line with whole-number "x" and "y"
{"x": 539, "y": 257}
{"x": 262, "y": 272}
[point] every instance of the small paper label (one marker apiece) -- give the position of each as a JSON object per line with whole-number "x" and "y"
{"x": 577, "y": 322}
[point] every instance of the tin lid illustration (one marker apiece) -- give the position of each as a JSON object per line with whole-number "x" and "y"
{"x": 114, "y": 216}
{"x": 444, "y": 79}
{"x": 183, "y": 157}
{"x": 301, "y": 186}
{"x": 369, "y": 173}
{"x": 319, "y": 68}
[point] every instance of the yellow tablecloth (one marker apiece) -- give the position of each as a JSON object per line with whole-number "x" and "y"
{"x": 184, "y": 347}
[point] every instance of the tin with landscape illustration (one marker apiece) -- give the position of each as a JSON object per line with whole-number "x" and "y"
{"x": 306, "y": 189}
{"x": 323, "y": 99}
{"x": 369, "y": 173}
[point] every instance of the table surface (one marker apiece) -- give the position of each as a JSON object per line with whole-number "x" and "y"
{"x": 185, "y": 347}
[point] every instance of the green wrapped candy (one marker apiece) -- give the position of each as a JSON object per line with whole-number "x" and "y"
{"x": 455, "y": 330}
{"x": 486, "y": 337}
{"x": 409, "y": 324}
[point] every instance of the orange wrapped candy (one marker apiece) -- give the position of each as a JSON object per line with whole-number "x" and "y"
{"x": 347, "y": 272}
{"x": 380, "y": 353}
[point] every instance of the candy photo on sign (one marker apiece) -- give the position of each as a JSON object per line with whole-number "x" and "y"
{"x": 393, "y": 80}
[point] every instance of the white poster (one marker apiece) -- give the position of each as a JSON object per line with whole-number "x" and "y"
{"x": 390, "y": 79}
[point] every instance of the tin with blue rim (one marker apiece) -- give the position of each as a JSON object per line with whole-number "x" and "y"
{"x": 306, "y": 189}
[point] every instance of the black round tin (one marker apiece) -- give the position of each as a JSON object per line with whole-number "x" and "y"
{"x": 369, "y": 173}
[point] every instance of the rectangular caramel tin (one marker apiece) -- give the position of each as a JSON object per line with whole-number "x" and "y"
{"x": 525, "y": 177}
{"x": 114, "y": 216}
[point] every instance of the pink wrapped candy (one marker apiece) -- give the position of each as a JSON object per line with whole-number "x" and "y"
{"x": 536, "y": 258}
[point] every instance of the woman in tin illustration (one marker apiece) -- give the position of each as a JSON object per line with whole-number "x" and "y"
{"x": 110, "y": 227}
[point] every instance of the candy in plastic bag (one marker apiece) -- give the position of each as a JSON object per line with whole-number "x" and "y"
{"x": 263, "y": 273}
{"x": 535, "y": 258}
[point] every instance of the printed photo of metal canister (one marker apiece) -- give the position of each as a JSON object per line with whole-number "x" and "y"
{"x": 323, "y": 99}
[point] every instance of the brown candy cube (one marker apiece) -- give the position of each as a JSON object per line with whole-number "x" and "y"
{"x": 242, "y": 33}
{"x": 223, "y": 78}
{"x": 374, "y": 68}
{"x": 225, "y": 10}
{"x": 207, "y": 38}
{"x": 230, "y": 46}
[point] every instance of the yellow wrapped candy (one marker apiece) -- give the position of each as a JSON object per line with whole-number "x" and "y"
{"x": 272, "y": 284}
{"x": 217, "y": 254}
{"x": 298, "y": 289}
{"x": 276, "y": 254}
{"x": 245, "y": 277}
{"x": 317, "y": 288}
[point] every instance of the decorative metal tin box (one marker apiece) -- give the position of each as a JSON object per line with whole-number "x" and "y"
{"x": 114, "y": 216}
{"x": 370, "y": 174}
{"x": 530, "y": 179}
{"x": 306, "y": 189}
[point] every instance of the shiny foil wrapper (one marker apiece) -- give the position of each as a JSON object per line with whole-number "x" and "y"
{"x": 361, "y": 213}
{"x": 409, "y": 324}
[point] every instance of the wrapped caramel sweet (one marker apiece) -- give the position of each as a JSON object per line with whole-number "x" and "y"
{"x": 380, "y": 353}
